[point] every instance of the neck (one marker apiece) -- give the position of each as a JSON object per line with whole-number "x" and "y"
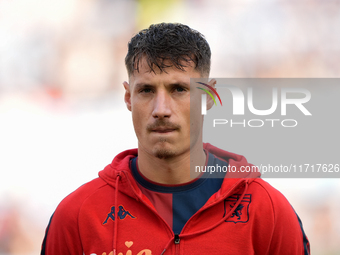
{"x": 174, "y": 170}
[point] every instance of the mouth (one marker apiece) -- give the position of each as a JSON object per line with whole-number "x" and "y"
{"x": 163, "y": 127}
{"x": 163, "y": 130}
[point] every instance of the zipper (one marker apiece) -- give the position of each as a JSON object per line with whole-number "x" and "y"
{"x": 176, "y": 241}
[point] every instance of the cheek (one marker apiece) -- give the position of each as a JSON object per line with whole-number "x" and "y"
{"x": 140, "y": 118}
{"x": 196, "y": 121}
{"x": 137, "y": 121}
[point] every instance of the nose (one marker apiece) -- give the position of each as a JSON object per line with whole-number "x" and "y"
{"x": 162, "y": 105}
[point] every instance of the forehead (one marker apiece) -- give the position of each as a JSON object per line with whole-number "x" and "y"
{"x": 145, "y": 73}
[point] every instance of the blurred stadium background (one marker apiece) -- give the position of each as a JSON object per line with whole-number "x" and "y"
{"x": 62, "y": 116}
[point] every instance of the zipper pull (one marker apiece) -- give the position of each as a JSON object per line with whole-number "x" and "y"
{"x": 177, "y": 239}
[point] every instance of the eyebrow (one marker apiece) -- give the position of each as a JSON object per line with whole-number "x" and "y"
{"x": 142, "y": 85}
{"x": 183, "y": 84}
{"x": 147, "y": 85}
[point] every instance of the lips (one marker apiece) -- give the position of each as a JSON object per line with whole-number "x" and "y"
{"x": 163, "y": 130}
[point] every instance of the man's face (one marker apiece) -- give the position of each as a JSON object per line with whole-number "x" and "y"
{"x": 160, "y": 106}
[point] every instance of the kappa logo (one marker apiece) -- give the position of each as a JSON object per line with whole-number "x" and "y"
{"x": 122, "y": 214}
{"x": 241, "y": 213}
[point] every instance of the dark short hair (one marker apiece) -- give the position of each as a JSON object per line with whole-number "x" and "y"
{"x": 164, "y": 42}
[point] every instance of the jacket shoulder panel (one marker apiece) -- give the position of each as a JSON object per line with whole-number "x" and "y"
{"x": 279, "y": 202}
{"x": 288, "y": 236}
{"x": 63, "y": 235}
{"x": 74, "y": 200}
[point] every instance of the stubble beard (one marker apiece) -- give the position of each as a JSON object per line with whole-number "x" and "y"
{"x": 162, "y": 152}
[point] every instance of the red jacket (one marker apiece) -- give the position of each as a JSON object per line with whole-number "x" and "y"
{"x": 246, "y": 216}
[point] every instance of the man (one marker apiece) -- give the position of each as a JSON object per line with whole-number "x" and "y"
{"x": 146, "y": 201}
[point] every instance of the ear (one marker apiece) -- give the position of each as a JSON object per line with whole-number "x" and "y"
{"x": 127, "y": 96}
{"x": 210, "y": 101}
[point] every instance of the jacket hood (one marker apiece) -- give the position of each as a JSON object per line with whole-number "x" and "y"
{"x": 120, "y": 166}
{"x": 119, "y": 176}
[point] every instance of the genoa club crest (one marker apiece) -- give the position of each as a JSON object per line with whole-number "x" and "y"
{"x": 241, "y": 213}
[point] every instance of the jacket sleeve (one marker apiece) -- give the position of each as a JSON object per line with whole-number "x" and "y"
{"x": 62, "y": 233}
{"x": 288, "y": 235}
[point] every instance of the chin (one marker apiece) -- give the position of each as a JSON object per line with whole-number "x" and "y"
{"x": 164, "y": 154}
{"x": 164, "y": 151}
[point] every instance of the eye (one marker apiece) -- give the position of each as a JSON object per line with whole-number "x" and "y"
{"x": 179, "y": 89}
{"x": 145, "y": 90}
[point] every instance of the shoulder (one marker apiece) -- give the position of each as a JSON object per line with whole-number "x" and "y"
{"x": 63, "y": 230}
{"x": 273, "y": 198}
{"x": 270, "y": 194}
{"x": 282, "y": 221}
{"x": 69, "y": 207}
{"x": 271, "y": 206}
